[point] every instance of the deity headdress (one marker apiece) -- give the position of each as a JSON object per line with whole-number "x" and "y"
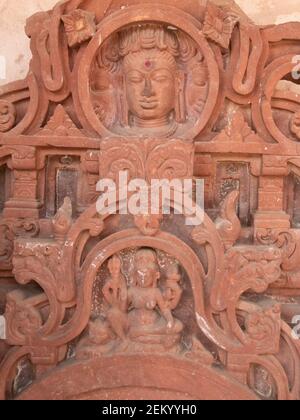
{"x": 146, "y": 257}
{"x": 154, "y": 41}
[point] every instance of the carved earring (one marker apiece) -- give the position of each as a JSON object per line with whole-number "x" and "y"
{"x": 180, "y": 107}
{"x": 123, "y": 104}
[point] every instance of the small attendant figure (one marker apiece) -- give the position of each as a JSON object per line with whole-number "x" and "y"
{"x": 115, "y": 294}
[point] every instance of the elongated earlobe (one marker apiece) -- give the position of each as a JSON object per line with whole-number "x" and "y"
{"x": 180, "y": 106}
{"x": 123, "y": 103}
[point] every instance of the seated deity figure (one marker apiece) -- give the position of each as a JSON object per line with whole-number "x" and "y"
{"x": 138, "y": 315}
{"x": 150, "y": 318}
{"x": 150, "y": 63}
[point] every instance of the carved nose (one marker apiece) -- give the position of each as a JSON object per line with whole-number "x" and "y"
{"x": 147, "y": 92}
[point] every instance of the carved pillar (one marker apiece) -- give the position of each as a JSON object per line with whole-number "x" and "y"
{"x": 90, "y": 165}
{"x": 271, "y": 214}
{"x": 24, "y": 202}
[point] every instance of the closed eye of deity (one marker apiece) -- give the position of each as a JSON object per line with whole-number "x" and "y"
{"x": 135, "y": 77}
{"x": 161, "y": 76}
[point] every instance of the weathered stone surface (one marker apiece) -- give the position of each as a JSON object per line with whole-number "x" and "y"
{"x": 161, "y": 308}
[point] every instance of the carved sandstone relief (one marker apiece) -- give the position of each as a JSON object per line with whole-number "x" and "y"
{"x": 138, "y": 311}
{"x": 158, "y": 77}
{"x": 145, "y": 302}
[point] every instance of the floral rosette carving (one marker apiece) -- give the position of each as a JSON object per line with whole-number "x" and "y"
{"x": 219, "y": 25}
{"x": 80, "y": 26}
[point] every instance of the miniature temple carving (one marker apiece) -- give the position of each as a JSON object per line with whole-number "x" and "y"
{"x": 141, "y": 305}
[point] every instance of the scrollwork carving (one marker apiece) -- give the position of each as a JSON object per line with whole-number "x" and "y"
{"x": 228, "y": 224}
{"x": 264, "y": 328}
{"x": 23, "y": 319}
{"x": 146, "y": 159}
{"x": 173, "y": 160}
{"x": 12, "y": 229}
{"x": 52, "y": 65}
{"x": 247, "y": 269}
{"x": 284, "y": 240}
{"x": 7, "y": 116}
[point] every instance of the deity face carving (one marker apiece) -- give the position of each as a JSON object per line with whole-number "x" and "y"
{"x": 103, "y": 91}
{"x": 152, "y": 86}
{"x": 147, "y": 276}
{"x": 150, "y": 80}
{"x": 198, "y": 84}
{"x": 146, "y": 269}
